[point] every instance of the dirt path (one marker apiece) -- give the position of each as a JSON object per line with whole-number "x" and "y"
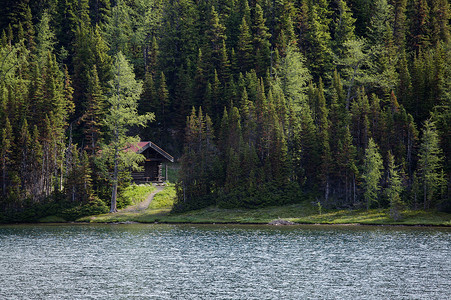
{"x": 142, "y": 205}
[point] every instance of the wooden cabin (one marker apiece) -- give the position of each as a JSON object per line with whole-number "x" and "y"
{"x": 153, "y": 164}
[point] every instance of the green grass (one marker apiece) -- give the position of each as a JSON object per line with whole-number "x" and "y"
{"x": 163, "y": 199}
{"x": 135, "y": 194}
{"x": 377, "y": 217}
{"x": 302, "y": 213}
{"x": 307, "y": 214}
{"x": 160, "y": 206}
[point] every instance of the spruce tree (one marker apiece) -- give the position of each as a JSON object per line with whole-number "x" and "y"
{"x": 399, "y": 23}
{"x": 216, "y": 37}
{"x": 244, "y": 47}
{"x": 122, "y": 114}
{"x": 343, "y": 26}
{"x": 380, "y": 18}
{"x": 94, "y": 113}
{"x": 440, "y": 15}
{"x": 293, "y": 76}
{"x": 6, "y": 154}
{"x": 372, "y": 174}
{"x": 319, "y": 53}
{"x": 100, "y": 11}
{"x": 45, "y": 38}
{"x": 261, "y": 41}
{"x": 118, "y": 28}
{"x": 419, "y": 35}
{"x": 325, "y": 153}
{"x": 394, "y": 189}
{"x": 430, "y": 163}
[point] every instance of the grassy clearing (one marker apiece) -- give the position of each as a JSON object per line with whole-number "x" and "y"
{"x": 306, "y": 214}
{"x": 377, "y": 217}
{"x": 136, "y": 193}
{"x": 163, "y": 199}
{"x": 160, "y": 206}
{"x": 302, "y": 213}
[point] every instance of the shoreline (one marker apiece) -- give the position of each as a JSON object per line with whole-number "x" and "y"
{"x": 233, "y": 223}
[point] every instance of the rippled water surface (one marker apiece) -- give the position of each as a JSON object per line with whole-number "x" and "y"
{"x": 137, "y": 261}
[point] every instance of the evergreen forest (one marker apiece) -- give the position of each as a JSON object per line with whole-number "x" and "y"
{"x": 344, "y": 103}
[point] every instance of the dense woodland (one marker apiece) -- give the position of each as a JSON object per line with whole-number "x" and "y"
{"x": 345, "y": 103}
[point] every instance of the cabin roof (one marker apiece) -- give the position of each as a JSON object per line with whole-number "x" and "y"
{"x": 143, "y": 146}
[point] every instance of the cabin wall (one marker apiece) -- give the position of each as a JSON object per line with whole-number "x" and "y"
{"x": 153, "y": 168}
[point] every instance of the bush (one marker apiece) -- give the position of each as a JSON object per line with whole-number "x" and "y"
{"x": 93, "y": 207}
{"x": 267, "y": 195}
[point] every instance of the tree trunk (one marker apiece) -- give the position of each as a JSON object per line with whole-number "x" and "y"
{"x": 113, "y": 208}
{"x": 326, "y": 196}
{"x": 4, "y": 177}
{"x": 425, "y": 196}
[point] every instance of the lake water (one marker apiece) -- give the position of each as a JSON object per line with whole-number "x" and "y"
{"x": 138, "y": 261}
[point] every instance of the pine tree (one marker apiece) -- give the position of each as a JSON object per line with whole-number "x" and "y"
{"x": 309, "y": 147}
{"x": 261, "y": 41}
{"x": 122, "y": 114}
{"x": 217, "y": 37}
{"x": 360, "y": 126}
{"x": 89, "y": 50}
{"x": 78, "y": 187}
{"x": 233, "y": 148}
{"x": 283, "y": 26}
{"x": 118, "y": 28}
{"x": 67, "y": 21}
{"x": 394, "y": 189}
{"x": 5, "y": 154}
{"x": 94, "y": 113}
{"x": 24, "y": 159}
{"x": 381, "y": 14}
{"x": 45, "y": 38}
{"x": 319, "y": 53}
{"x": 293, "y": 76}
{"x": 199, "y": 167}
{"x": 356, "y": 59}
{"x": 399, "y": 23}
{"x": 224, "y": 67}
{"x": 346, "y": 166}
{"x": 325, "y": 153}
{"x": 344, "y": 26}
{"x": 440, "y": 15}
{"x": 419, "y": 25}
{"x": 100, "y": 11}
{"x": 29, "y": 31}
{"x": 404, "y": 86}
{"x": 244, "y": 47}
{"x": 154, "y": 52}
{"x": 430, "y": 163}
{"x": 303, "y": 26}
{"x": 372, "y": 173}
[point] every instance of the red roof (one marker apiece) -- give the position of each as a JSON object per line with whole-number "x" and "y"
{"x": 141, "y": 146}
{"x": 138, "y": 147}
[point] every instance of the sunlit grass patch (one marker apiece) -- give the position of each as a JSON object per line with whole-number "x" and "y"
{"x": 136, "y": 193}
{"x": 163, "y": 199}
{"x": 302, "y": 213}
